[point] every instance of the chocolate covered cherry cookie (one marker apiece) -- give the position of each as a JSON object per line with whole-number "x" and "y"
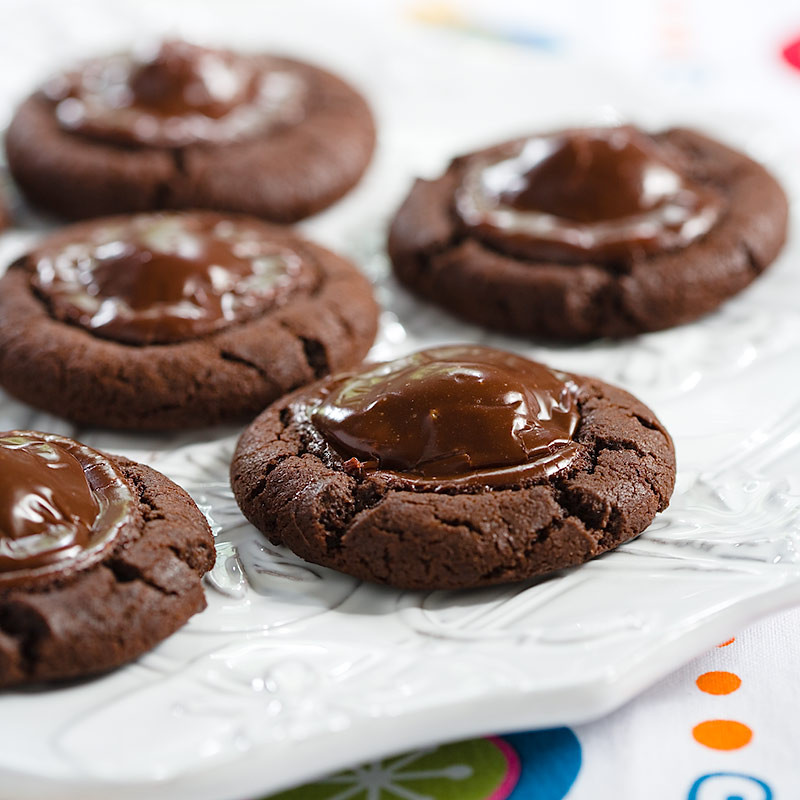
{"x": 453, "y": 467}
{"x": 182, "y": 126}
{"x": 175, "y": 320}
{"x": 100, "y": 558}
{"x": 590, "y": 232}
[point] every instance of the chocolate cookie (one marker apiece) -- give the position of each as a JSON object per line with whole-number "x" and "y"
{"x": 188, "y": 127}
{"x": 176, "y": 320}
{"x": 453, "y": 467}
{"x": 590, "y": 232}
{"x": 100, "y": 558}
{"x": 5, "y": 214}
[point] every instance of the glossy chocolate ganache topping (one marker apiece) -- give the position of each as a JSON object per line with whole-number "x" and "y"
{"x": 163, "y": 278}
{"x": 597, "y": 195}
{"x": 61, "y": 505}
{"x": 177, "y": 94}
{"x": 450, "y": 416}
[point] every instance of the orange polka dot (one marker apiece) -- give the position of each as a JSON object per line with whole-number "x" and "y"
{"x": 722, "y": 734}
{"x": 725, "y": 644}
{"x": 718, "y": 682}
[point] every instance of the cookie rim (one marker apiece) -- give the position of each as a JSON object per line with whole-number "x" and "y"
{"x": 250, "y": 490}
{"x": 185, "y": 177}
{"x": 433, "y": 256}
{"x": 18, "y": 602}
{"x": 29, "y": 334}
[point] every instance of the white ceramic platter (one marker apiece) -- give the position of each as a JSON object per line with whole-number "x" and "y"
{"x": 294, "y": 670}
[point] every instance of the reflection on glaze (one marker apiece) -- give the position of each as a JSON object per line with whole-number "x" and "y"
{"x": 595, "y": 194}
{"x": 158, "y": 278}
{"x": 454, "y": 414}
{"x": 60, "y": 502}
{"x": 175, "y": 95}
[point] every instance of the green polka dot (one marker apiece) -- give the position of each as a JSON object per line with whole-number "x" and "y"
{"x": 463, "y": 771}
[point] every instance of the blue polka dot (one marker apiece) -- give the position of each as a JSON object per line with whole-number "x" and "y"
{"x": 549, "y": 763}
{"x": 706, "y": 784}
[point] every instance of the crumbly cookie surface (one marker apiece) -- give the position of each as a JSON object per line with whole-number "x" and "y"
{"x": 436, "y": 258}
{"x": 299, "y": 493}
